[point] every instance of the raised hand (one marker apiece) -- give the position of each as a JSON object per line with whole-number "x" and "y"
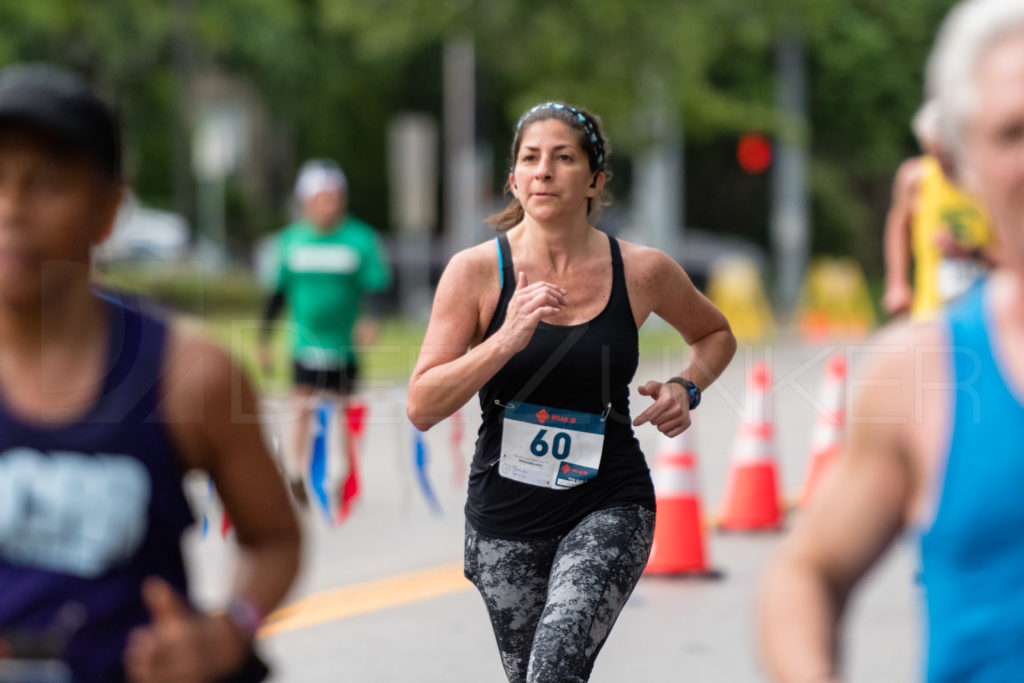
{"x": 180, "y": 644}
{"x": 897, "y": 298}
{"x": 670, "y": 412}
{"x": 528, "y": 305}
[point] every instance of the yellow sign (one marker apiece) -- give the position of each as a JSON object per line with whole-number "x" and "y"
{"x": 834, "y": 301}
{"x": 734, "y": 286}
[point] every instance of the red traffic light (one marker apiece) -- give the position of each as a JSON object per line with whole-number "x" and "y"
{"x": 754, "y": 153}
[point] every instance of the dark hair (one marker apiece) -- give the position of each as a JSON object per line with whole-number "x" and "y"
{"x": 62, "y": 104}
{"x": 592, "y": 140}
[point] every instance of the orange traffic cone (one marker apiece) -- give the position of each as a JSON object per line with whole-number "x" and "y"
{"x": 678, "y": 529}
{"x": 828, "y": 428}
{"x": 752, "y": 489}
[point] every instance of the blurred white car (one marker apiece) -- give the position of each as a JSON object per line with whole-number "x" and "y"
{"x": 141, "y": 233}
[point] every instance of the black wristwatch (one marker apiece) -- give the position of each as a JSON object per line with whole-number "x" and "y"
{"x": 690, "y": 387}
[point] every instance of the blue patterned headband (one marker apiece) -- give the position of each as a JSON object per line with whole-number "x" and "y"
{"x": 595, "y": 144}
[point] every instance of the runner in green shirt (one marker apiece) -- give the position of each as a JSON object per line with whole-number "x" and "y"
{"x": 327, "y": 262}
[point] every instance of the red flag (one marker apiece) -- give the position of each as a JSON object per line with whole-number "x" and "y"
{"x": 355, "y": 423}
{"x": 355, "y": 418}
{"x": 225, "y": 525}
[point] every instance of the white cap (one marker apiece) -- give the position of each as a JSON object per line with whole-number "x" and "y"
{"x": 319, "y": 175}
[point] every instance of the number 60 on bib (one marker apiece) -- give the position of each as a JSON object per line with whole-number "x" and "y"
{"x": 550, "y": 447}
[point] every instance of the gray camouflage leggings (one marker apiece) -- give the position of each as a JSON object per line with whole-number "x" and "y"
{"x": 553, "y": 601}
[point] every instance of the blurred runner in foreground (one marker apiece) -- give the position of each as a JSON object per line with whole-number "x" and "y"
{"x": 937, "y": 429}
{"x": 542, "y": 321}
{"x": 103, "y": 408}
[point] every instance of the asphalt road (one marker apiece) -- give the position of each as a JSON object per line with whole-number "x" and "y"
{"x": 381, "y": 597}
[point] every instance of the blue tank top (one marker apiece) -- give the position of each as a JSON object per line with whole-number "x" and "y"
{"x": 972, "y": 556}
{"x": 581, "y": 368}
{"x": 88, "y": 510}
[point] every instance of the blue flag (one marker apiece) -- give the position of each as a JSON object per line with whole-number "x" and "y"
{"x": 318, "y": 462}
{"x": 421, "y": 459}
{"x": 205, "y": 528}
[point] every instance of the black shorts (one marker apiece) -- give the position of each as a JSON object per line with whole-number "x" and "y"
{"x": 337, "y": 378}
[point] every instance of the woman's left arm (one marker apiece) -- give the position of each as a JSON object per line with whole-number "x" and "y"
{"x": 661, "y": 286}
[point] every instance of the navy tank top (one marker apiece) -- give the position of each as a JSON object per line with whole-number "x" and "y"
{"x": 88, "y": 510}
{"x": 581, "y": 368}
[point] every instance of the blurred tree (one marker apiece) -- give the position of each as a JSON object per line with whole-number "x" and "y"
{"x": 865, "y": 72}
{"x": 332, "y": 73}
{"x": 123, "y": 48}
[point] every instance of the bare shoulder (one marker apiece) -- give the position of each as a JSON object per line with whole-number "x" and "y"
{"x": 908, "y": 175}
{"x": 897, "y": 348}
{"x": 644, "y": 257}
{"x": 470, "y": 281}
{"x": 475, "y": 265}
{"x": 194, "y": 358}
{"x": 658, "y": 284}
{"x": 896, "y": 381}
{"x": 898, "y": 413}
{"x": 648, "y": 266}
{"x": 203, "y": 385}
{"x": 466, "y": 296}
{"x": 889, "y": 369}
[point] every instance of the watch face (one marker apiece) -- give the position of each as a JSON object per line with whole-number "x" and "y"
{"x": 694, "y": 395}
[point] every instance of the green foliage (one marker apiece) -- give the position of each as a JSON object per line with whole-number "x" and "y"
{"x": 841, "y": 221}
{"x": 390, "y": 361}
{"x": 196, "y": 291}
{"x": 333, "y": 72}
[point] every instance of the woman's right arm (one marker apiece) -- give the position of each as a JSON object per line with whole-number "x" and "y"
{"x": 448, "y": 372}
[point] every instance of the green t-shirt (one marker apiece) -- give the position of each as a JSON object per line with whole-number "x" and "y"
{"x": 324, "y": 276}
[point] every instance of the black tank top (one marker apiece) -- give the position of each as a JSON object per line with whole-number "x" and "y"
{"x": 583, "y": 368}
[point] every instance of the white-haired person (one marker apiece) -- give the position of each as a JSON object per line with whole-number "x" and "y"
{"x": 329, "y": 263}
{"x": 934, "y": 224}
{"x": 937, "y": 428}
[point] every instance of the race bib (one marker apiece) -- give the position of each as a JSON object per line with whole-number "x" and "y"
{"x": 550, "y": 447}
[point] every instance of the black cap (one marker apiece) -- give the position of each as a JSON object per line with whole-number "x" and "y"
{"x": 62, "y": 103}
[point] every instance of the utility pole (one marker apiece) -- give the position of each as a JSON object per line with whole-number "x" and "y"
{"x": 461, "y": 224}
{"x": 181, "y": 55}
{"x": 658, "y": 197}
{"x": 789, "y": 220}
{"x": 412, "y": 164}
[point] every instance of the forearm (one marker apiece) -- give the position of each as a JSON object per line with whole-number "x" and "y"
{"x": 271, "y": 310}
{"x": 709, "y": 357}
{"x": 440, "y": 391}
{"x": 798, "y": 618}
{"x": 266, "y": 569}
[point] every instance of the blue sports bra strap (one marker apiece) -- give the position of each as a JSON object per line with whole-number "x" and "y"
{"x": 505, "y": 266}
{"x": 507, "y": 282}
{"x": 501, "y": 263}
